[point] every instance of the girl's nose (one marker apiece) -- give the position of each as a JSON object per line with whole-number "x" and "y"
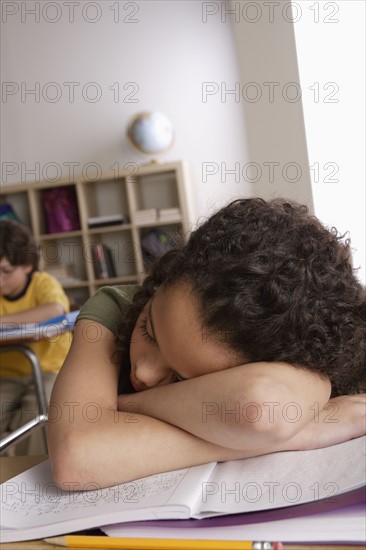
{"x": 151, "y": 373}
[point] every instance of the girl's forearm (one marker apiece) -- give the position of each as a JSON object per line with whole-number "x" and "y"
{"x": 214, "y": 419}
{"x": 113, "y": 450}
{"x": 239, "y": 408}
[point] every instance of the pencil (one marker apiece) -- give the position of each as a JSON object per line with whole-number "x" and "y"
{"x": 80, "y": 541}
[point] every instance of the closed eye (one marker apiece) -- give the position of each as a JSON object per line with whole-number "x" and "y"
{"x": 179, "y": 378}
{"x": 152, "y": 340}
{"x": 145, "y": 334}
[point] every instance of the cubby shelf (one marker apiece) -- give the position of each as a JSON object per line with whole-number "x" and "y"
{"x": 152, "y": 186}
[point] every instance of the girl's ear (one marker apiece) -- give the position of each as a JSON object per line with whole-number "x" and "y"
{"x": 28, "y": 269}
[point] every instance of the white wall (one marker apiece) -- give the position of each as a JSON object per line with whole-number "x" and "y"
{"x": 166, "y": 55}
{"x": 271, "y": 97}
{"x": 330, "y": 39}
{"x": 163, "y": 53}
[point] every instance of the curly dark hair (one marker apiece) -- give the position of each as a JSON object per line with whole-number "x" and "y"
{"x": 274, "y": 285}
{"x": 17, "y": 244}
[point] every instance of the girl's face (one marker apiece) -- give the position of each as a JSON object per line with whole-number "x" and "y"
{"x": 168, "y": 343}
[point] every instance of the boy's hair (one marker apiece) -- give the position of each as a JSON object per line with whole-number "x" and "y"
{"x": 17, "y": 244}
{"x": 273, "y": 284}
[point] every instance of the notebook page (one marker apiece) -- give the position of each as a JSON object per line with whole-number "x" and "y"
{"x": 35, "y": 498}
{"x": 284, "y": 479}
{"x": 189, "y": 491}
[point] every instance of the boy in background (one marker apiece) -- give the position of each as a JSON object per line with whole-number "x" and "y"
{"x": 27, "y": 296}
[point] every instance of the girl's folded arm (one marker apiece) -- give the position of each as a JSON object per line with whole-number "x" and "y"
{"x": 252, "y": 406}
{"x": 90, "y": 442}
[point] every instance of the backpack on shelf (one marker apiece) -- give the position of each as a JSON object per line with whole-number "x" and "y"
{"x": 60, "y": 209}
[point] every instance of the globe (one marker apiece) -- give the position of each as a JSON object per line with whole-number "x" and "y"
{"x": 151, "y": 132}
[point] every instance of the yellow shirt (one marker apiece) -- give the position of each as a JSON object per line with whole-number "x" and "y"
{"x": 43, "y": 289}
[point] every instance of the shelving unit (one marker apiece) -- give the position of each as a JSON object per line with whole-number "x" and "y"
{"x": 152, "y": 186}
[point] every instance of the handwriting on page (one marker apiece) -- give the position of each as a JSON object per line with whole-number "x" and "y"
{"x": 38, "y": 500}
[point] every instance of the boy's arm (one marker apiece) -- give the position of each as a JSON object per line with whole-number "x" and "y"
{"x": 254, "y": 406}
{"x": 33, "y": 315}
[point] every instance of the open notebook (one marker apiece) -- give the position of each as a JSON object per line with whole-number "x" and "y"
{"x": 262, "y": 483}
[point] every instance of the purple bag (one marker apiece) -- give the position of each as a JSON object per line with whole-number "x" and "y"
{"x": 60, "y": 209}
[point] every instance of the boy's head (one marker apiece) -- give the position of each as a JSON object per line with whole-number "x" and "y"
{"x": 19, "y": 256}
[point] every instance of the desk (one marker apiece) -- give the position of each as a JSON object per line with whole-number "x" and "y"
{"x": 14, "y": 339}
{"x": 12, "y": 466}
{"x": 21, "y": 432}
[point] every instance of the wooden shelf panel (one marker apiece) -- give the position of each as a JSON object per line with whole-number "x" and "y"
{"x": 63, "y": 235}
{"x": 76, "y": 284}
{"x": 160, "y": 223}
{"x": 109, "y": 229}
{"x": 116, "y": 280}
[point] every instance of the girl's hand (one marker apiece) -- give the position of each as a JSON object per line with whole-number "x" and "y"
{"x": 341, "y": 419}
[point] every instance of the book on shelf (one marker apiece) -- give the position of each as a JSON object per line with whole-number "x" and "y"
{"x": 103, "y": 262}
{"x": 169, "y": 214}
{"x": 272, "y": 483}
{"x": 105, "y": 221}
{"x": 148, "y": 215}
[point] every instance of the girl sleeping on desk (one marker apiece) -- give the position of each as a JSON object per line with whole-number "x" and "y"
{"x": 247, "y": 340}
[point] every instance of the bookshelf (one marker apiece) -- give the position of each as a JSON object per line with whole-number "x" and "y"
{"x": 130, "y": 214}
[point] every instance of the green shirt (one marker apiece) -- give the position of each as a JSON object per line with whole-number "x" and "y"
{"x": 109, "y": 305}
